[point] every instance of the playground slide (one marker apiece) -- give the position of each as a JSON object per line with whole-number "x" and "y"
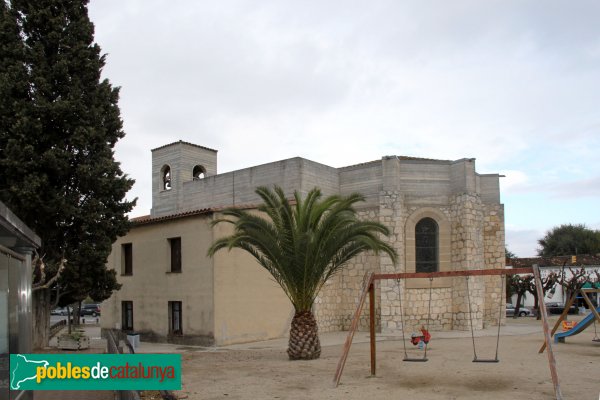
{"x": 584, "y": 323}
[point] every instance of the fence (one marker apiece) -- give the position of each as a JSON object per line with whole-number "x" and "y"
{"x": 55, "y": 328}
{"x": 114, "y": 338}
{"x": 112, "y": 344}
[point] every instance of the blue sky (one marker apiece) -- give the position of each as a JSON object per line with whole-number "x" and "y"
{"x": 514, "y": 84}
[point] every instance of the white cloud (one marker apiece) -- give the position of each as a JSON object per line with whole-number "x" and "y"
{"x": 512, "y": 84}
{"x": 513, "y": 180}
{"x": 523, "y": 242}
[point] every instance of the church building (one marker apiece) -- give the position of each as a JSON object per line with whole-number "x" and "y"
{"x": 443, "y": 216}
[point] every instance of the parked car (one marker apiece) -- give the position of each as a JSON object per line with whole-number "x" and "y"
{"x": 523, "y": 311}
{"x": 90, "y": 309}
{"x": 557, "y": 308}
{"x": 59, "y": 311}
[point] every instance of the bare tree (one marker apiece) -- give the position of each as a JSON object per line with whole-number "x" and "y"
{"x": 573, "y": 283}
{"x": 548, "y": 283}
{"x": 520, "y": 285}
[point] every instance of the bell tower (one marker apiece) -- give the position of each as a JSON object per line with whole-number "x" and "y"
{"x": 173, "y": 165}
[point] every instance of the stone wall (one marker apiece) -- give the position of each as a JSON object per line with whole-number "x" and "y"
{"x": 414, "y": 308}
{"x": 493, "y": 237}
{"x": 467, "y": 254}
{"x": 337, "y": 301}
{"x": 477, "y": 242}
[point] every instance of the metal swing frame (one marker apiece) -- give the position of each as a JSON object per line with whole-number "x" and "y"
{"x": 369, "y": 288}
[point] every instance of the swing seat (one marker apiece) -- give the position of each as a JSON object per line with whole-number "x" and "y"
{"x": 485, "y": 360}
{"x": 596, "y": 340}
{"x": 408, "y": 359}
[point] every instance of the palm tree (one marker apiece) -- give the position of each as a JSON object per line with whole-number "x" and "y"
{"x": 302, "y": 245}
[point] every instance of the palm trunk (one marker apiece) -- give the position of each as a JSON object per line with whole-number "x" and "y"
{"x": 304, "y": 337}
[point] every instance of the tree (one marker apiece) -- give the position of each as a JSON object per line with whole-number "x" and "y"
{"x": 520, "y": 285}
{"x": 566, "y": 240}
{"x": 302, "y": 246}
{"x": 58, "y": 128}
{"x": 573, "y": 282}
{"x": 509, "y": 254}
{"x": 548, "y": 284}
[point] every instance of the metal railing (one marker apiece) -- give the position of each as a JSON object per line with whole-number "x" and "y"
{"x": 114, "y": 339}
{"x": 55, "y": 328}
{"x": 112, "y": 344}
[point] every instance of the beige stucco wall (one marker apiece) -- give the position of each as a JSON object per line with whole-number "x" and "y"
{"x": 249, "y": 305}
{"x": 152, "y": 286}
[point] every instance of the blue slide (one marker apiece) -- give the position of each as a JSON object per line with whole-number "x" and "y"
{"x": 584, "y": 323}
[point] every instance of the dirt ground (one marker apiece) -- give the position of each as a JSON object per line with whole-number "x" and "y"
{"x": 449, "y": 374}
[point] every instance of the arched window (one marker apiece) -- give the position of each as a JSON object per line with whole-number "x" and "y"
{"x": 166, "y": 177}
{"x": 426, "y": 245}
{"x": 199, "y": 172}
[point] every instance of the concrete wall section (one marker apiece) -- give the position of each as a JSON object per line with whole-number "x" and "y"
{"x": 425, "y": 182}
{"x": 238, "y": 187}
{"x": 315, "y": 175}
{"x": 365, "y": 179}
{"x": 209, "y": 192}
{"x": 462, "y": 175}
{"x": 489, "y": 188}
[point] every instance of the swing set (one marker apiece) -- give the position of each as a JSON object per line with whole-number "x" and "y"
{"x": 369, "y": 288}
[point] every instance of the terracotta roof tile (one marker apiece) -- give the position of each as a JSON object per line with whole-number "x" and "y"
{"x": 582, "y": 259}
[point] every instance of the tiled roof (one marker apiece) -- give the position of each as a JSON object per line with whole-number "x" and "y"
{"x": 558, "y": 261}
{"x": 149, "y": 219}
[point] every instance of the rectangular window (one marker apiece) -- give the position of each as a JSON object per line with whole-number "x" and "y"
{"x": 426, "y": 245}
{"x": 175, "y": 244}
{"x": 175, "y": 324}
{"x": 126, "y": 259}
{"x": 127, "y": 315}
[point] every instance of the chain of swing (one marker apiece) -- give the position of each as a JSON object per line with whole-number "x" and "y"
{"x": 500, "y": 309}
{"x": 475, "y": 357}
{"x": 406, "y": 357}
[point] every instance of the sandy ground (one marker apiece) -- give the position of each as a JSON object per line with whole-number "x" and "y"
{"x": 258, "y": 371}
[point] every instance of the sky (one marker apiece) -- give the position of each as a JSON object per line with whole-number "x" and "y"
{"x": 514, "y": 84}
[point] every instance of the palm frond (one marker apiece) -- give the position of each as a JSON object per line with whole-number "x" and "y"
{"x": 304, "y": 245}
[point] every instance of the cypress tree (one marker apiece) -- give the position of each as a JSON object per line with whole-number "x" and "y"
{"x": 60, "y": 123}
